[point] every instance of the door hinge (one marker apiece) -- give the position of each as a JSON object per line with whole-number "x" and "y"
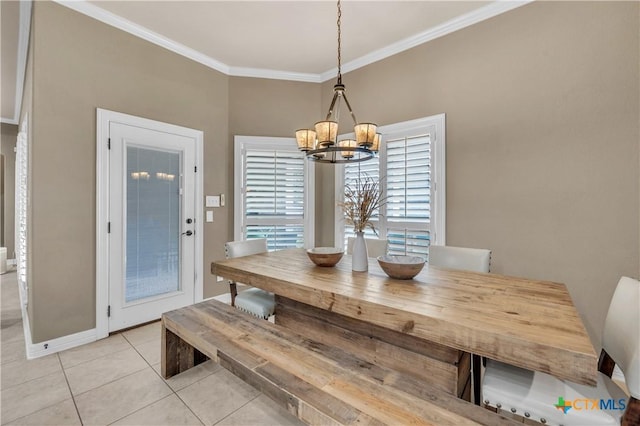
{"x": 109, "y": 143}
{"x": 108, "y": 227}
{"x": 195, "y": 169}
{"x": 109, "y": 311}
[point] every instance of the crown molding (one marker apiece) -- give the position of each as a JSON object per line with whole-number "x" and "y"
{"x": 486, "y": 12}
{"x": 274, "y": 74}
{"x": 8, "y": 121}
{"x": 116, "y": 21}
{"x": 455, "y": 24}
{"x": 24, "y": 28}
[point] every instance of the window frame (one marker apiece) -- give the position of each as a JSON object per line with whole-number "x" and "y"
{"x": 267, "y": 143}
{"x": 435, "y": 126}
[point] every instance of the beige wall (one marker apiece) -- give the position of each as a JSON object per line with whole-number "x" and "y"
{"x": 80, "y": 65}
{"x": 542, "y": 113}
{"x": 8, "y": 137}
{"x": 542, "y": 142}
{"x": 260, "y": 107}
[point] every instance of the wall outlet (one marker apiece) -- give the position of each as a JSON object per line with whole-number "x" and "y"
{"x": 219, "y": 278}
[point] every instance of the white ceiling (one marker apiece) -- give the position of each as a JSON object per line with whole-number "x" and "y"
{"x": 295, "y": 36}
{"x": 294, "y": 40}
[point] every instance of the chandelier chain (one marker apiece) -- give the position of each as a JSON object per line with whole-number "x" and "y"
{"x": 339, "y": 43}
{"x": 322, "y": 144}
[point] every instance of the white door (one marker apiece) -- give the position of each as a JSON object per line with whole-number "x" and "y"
{"x": 151, "y": 223}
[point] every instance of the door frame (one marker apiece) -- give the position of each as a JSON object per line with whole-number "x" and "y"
{"x": 103, "y": 119}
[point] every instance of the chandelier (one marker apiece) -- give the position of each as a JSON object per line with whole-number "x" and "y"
{"x": 321, "y": 144}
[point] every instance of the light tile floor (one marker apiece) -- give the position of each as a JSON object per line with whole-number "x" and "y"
{"x": 117, "y": 381}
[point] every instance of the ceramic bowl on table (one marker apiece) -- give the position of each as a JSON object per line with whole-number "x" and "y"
{"x": 401, "y": 267}
{"x": 325, "y": 256}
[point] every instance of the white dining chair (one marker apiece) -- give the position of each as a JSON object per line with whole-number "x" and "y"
{"x": 546, "y": 399}
{"x": 463, "y": 258}
{"x": 254, "y": 301}
{"x": 466, "y": 259}
{"x": 375, "y": 246}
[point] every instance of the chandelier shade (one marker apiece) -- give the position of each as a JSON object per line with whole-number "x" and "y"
{"x": 350, "y": 143}
{"x": 326, "y": 132}
{"x": 322, "y": 144}
{"x": 365, "y": 133}
{"x": 306, "y": 139}
{"x": 375, "y": 147}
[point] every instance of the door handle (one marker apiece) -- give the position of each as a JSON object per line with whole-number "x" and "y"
{"x": 188, "y": 233}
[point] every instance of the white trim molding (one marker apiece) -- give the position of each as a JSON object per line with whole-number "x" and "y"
{"x": 275, "y": 74}
{"x": 455, "y": 24}
{"x": 37, "y": 350}
{"x": 103, "y": 118}
{"x": 21, "y": 61}
{"x": 241, "y": 144}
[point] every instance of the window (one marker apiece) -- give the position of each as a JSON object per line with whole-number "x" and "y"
{"x": 411, "y": 166}
{"x": 274, "y": 192}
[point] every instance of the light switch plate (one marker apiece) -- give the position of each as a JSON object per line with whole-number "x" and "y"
{"x": 212, "y": 201}
{"x": 209, "y": 215}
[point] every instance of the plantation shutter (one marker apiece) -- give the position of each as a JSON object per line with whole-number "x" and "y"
{"x": 21, "y": 212}
{"x": 408, "y": 191}
{"x": 274, "y": 191}
{"x": 411, "y": 169}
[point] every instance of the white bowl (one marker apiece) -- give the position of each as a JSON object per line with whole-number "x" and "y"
{"x": 325, "y": 256}
{"x": 401, "y": 267}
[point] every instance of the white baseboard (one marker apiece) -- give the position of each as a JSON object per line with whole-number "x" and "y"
{"x": 37, "y": 350}
{"x": 224, "y": 298}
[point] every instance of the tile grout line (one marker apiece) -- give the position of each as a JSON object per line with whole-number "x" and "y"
{"x": 175, "y": 392}
{"x": 109, "y": 382}
{"x": 48, "y": 406}
{"x": 26, "y": 381}
{"x": 73, "y": 398}
{"x": 115, "y": 380}
{"x": 93, "y": 359}
{"x": 239, "y": 408}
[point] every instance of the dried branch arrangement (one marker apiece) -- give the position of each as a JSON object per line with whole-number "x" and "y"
{"x": 361, "y": 200}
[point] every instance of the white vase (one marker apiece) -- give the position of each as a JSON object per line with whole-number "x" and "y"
{"x": 360, "y": 257}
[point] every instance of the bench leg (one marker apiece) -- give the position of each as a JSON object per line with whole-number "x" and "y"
{"x": 631, "y": 415}
{"x": 233, "y": 289}
{"x": 177, "y": 355}
{"x": 476, "y": 369}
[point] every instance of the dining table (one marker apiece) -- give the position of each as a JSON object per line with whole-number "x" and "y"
{"x": 528, "y": 323}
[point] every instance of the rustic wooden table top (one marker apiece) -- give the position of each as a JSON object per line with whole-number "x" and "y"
{"x": 528, "y": 323}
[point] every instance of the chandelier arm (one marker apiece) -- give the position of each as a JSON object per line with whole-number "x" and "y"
{"x": 333, "y": 104}
{"x": 346, "y": 101}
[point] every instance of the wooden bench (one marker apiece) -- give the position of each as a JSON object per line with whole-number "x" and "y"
{"x": 316, "y": 382}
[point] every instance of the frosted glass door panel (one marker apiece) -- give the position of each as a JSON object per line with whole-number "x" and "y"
{"x": 152, "y": 223}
